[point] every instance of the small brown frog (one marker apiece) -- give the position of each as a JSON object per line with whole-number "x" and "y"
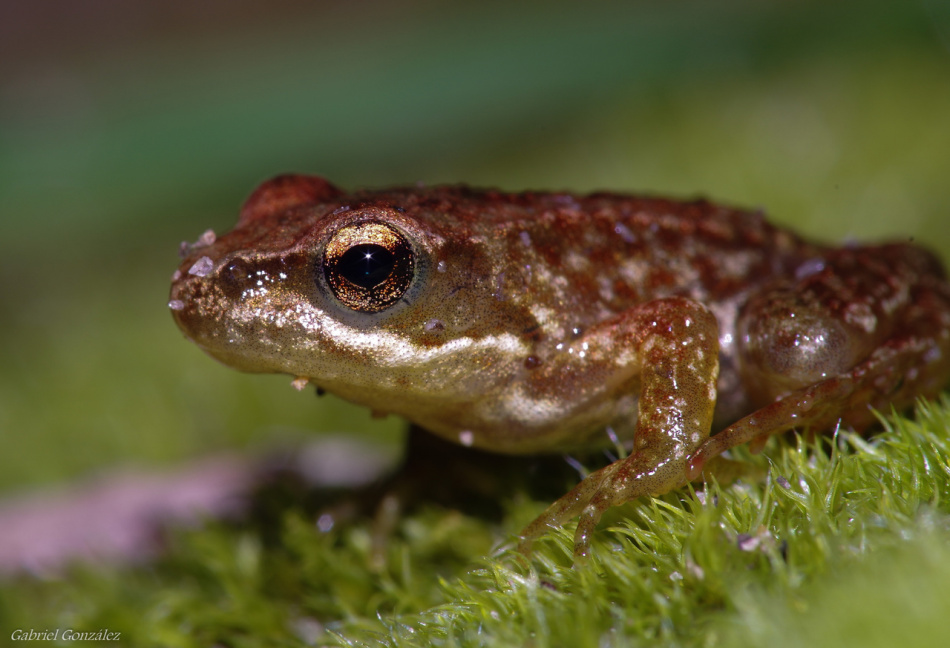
{"x": 531, "y": 322}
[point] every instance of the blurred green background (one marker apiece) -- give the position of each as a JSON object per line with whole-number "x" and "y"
{"x": 128, "y": 127}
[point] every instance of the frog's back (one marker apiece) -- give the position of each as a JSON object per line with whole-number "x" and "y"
{"x": 601, "y": 253}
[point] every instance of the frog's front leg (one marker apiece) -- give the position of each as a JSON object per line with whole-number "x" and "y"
{"x": 672, "y": 346}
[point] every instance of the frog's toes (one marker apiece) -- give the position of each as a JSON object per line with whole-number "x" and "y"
{"x": 573, "y": 504}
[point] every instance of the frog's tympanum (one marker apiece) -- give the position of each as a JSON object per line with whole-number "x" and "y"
{"x": 533, "y": 322}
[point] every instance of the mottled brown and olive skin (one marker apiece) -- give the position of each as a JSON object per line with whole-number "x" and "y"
{"x": 533, "y": 321}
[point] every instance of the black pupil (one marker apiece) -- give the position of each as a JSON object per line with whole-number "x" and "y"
{"x": 366, "y": 265}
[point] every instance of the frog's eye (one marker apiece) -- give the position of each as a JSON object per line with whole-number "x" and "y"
{"x": 368, "y": 266}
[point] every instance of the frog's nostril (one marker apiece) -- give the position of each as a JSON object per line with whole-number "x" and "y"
{"x": 236, "y": 277}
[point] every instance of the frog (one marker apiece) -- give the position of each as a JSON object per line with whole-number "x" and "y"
{"x": 552, "y": 322}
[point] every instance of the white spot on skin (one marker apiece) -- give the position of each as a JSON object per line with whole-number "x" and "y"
{"x": 202, "y": 267}
{"x": 542, "y": 313}
{"x": 499, "y": 287}
{"x": 206, "y": 239}
{"x": 176, "y": 304}
{"x": 467, "y": 438}
{"x": 441, "y": 266}
{"x": 577, "y": 262}
{"x": 176, "y": 276}
{"x": 862, "y": 316}
{"x": 736, "y": 264}
{"x": 624, "y": 233}
{"x": 299, "y": 383}
{"x": 565, "y": 200}
{"x": 434, "y": 325}
{"x": 810, "y": 267}
{"x": 933, "y": 355}
{"x": 634, "y": 272}
{"x": 525, "y": 409}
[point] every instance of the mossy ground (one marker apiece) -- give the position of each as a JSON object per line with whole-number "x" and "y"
{"x": 844, "y": 541}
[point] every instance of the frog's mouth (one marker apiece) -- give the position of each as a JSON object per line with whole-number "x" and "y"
{"x": 212, "y": 320}
{"x": 240, "y": 308}
{"x": 196, "y": 308}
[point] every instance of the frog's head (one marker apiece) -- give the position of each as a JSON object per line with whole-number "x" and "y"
{"x": 357, "y": 293}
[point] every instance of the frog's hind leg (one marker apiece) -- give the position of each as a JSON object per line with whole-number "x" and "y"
{"x": 869, "y": 331}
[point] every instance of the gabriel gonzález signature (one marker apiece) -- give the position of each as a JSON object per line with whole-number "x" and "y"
{"x": 66, "y": 635}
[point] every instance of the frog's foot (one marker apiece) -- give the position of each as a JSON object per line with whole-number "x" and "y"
{"x": 578, "y": 502}
{"x": 622, "y": 481}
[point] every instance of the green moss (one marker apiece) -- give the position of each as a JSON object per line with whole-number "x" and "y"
{"x": 841, "y": 536}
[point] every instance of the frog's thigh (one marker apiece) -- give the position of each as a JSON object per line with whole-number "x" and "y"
{"x": 850, "y": 338}
{"x": 676, "y": 349}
